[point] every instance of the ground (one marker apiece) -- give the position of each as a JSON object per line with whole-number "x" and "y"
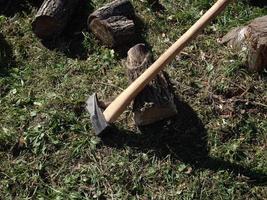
{"x": 215, "y": 148}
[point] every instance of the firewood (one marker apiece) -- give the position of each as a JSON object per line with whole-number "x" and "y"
{"x": 252, "y": 39}
{"x": 52, "y": 17}
{"x": 113, "y": 24}
{"x": 156, "y": 101}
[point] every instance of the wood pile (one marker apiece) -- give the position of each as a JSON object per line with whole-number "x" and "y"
{"x": 114, "y": 25}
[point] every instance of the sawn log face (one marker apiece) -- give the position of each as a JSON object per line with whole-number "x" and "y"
{"x": 52, "y": 17}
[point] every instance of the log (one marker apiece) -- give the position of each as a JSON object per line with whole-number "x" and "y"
{"x": 52, "y": 17}
{"x": 156, "y": 101}
{"x": 113, "y": 31}
{"x": 113, "y": 24}
{"x": 115, "y": 8}
{"x": 252, "y": 40}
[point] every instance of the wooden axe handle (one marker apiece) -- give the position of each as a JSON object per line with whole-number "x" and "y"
{"x": 115, "y": 109}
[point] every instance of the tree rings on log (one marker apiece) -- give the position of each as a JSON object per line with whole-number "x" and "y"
{"x": 156, "y": 101}
{"x": 251, "y": 39}
{"x": 113, "y": 24}
{"x": 52, "y": 17}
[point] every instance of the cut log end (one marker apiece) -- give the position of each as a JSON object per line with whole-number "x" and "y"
{"x": 102, "y": 32}
{"x": 52, "y": 17}
{"x": 138, "y": 56}
{"x": 45, "y": 27}
{"x": 235, "y": 38}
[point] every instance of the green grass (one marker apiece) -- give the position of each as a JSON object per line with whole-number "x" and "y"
{"x": 214, "y": 149}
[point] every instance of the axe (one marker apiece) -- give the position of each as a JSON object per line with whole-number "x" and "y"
{"x": 101, "y": 120}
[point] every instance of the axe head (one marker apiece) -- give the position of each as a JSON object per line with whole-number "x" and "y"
{"x": 98, "y": 120}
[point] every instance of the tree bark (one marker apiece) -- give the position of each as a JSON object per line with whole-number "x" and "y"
{"x": 52, "y": 17}
{"x": 156, "y": 101}
{"x": 115, "y": 8}
{"x": 251, "y": 39}
{"x": 113, "y": 23}
{"x": 113, "y": 31}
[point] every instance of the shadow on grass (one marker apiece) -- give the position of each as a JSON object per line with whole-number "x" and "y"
{"x": 258, "y": 3}
{"x": 10, "y": 7}
{"x": 156, "y": 6}
{"x": 70, "y": 42}
{"x": 6, "y": 57}
{"x": 184, "y": 138}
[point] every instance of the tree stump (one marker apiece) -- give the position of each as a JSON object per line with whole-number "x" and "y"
{"x": 156, "y": 101}
{"x": 251, "y": 39}
{"x": 52, "y": 17}
{"x": 113, "y": 24}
